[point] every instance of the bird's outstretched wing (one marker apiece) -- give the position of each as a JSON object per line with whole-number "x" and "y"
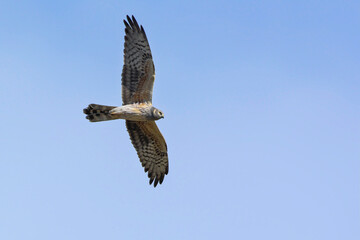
{"x": 138, "y": 73}
{"x": 151, "y": 148}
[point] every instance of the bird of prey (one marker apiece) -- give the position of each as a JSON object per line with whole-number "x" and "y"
{"x": 138, "y": 77}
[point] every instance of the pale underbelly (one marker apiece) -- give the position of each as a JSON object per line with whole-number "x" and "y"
{"x": 132, "y": 114}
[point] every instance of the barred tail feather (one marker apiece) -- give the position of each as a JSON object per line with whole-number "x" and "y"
{"x": 98, "y": 113}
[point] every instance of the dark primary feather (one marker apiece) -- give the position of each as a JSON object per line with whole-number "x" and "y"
{"x": 138, "y": 71}
{"x": 151, "y": 148}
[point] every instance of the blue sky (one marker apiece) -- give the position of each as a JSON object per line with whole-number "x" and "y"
{"x": 262, "y": 113}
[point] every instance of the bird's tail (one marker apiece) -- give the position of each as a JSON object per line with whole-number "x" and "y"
{"x": 98, "y": 113}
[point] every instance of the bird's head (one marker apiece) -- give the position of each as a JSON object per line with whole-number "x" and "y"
{"x": 157, "y": 114}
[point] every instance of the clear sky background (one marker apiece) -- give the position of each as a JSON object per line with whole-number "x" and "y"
{"x": 262, "y": 121}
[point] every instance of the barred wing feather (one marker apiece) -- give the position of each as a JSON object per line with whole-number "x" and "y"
{"x": 138, "y": 71}
{"x": 151, "y": 148}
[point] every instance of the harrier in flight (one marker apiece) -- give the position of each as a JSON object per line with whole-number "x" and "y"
{"x": 138, "y": 77}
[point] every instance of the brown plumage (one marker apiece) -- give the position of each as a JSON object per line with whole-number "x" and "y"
{"x": 138, "y": 77}
{"x": 138, "y": 71}
{"x": 151, "y": 148}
